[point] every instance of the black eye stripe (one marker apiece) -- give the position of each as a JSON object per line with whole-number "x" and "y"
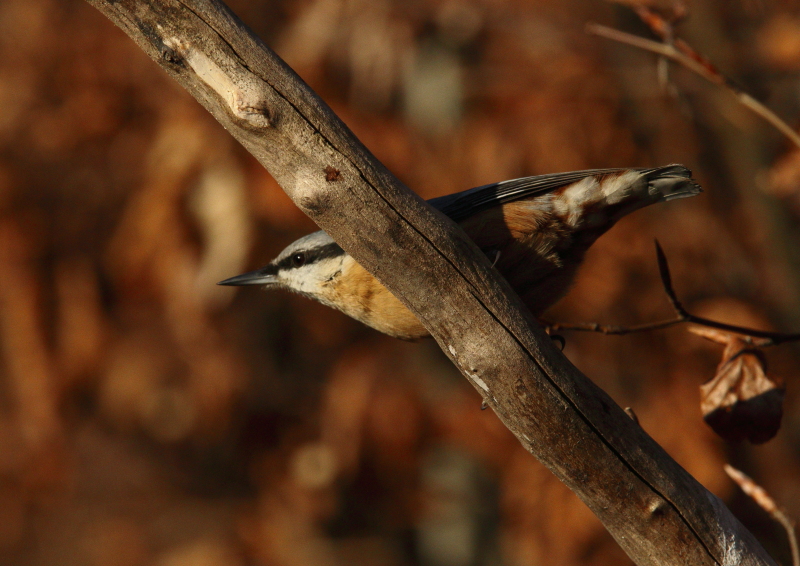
{"x": 309, "y": 256}
{"x": 329, "y": 250}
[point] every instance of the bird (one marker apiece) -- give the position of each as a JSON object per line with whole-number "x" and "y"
{"x": 535, "y": 231}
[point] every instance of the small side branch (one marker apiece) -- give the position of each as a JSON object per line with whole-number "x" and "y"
{"x": 762, "y": 498}
{"x": 610, "y": 329}
{"x": 757, "y": 338}
{"x": 682, "y": 53}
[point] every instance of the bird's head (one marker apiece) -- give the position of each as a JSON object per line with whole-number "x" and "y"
{"x": 308, "y": 266}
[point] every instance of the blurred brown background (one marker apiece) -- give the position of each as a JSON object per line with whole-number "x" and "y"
{"x": 149, "y": 417}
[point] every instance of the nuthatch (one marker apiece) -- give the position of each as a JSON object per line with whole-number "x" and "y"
{"x": 536, "y": 230}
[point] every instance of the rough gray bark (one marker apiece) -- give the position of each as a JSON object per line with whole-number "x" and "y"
{"x": 656, "y": 511}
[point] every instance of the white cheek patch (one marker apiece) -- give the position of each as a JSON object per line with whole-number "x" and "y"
{"x": 311, "y": 279}
{"x": 294, "y": 279}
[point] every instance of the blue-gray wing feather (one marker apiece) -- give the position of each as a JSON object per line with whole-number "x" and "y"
{"x": 460, "y": 206}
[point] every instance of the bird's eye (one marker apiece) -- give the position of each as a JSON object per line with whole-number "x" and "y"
{"x": 298, "y": 259}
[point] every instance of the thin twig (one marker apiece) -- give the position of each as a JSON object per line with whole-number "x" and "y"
{"x": 762, "y": 498}
{"x": 682, "y": 53}
{"x": 666, "y": 31}
{"x": 610, "y": 329}
{"x": 766, "y": 338}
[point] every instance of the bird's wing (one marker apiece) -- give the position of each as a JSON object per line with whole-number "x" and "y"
{"x": 460, "y": 206}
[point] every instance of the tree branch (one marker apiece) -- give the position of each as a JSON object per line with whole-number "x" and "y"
{"x": 762, "y": 498}
{"x": 656, "y": 511}
{"x": 680, "y": 52}
{"x": 759, "y": 338}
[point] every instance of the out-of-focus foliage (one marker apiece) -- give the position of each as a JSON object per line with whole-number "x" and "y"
{"x": 148, "y": 417}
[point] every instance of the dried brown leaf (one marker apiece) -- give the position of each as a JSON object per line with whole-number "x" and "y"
{"x": 712, "y": 334}
{"x": 741, "y": 401}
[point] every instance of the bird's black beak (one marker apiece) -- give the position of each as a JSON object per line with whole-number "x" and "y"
{"x": 264, "y": 276}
